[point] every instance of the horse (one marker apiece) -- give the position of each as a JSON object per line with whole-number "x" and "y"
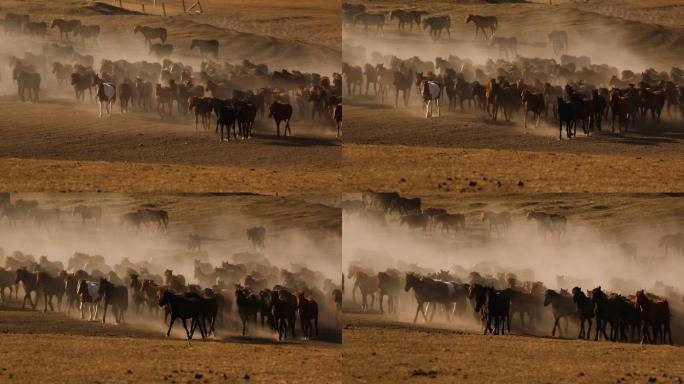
{"x": 436, "y": 25}
{"x": 29, "y": 282}
{"x": 561, "y": 306}
{"x": 655, "y": 314}
{"x": 226, "y": 120}
{"x": 125, "y": 95}
{"x": 87, "y": 32}
{"x": 106, "y": 94}
{"x": 284, "y": 312}
{"x": 366, "y": 284}
{"x": 7, "y": 281}
{"x": 164, "y": 97}
{"x": 483, "y": 22}
{"x": 427, "y": 290}
{"x": 207, "y": 47}
{"x": 337, "y": 114}
{"x": 151, "y": 33}
{"x": 280, "y": 112}
{"x": 88, "y": 293}
{"x": 672, "y": 241}
{"x": 337, "y": 299}
{"x": 507, "y": 45}
{"x": 65, "y": 26}
{"x": 585, "y": 311}
{"x": 566, "y": 114}
{"x": 81, "y": 82}
{"x": 403, "y": 18}
{"x": 559, "y": 41}
{"x": 175, "y": 283}
{"x": 402, "y": 82}
{"x": 49, "y": 287}
{"x": 549, "y": 222}
{"x": 450, "y": 221}
{"x": 27, "y": 80}
{"x": 533, "y": 102}
{"x": 257, "y": 235}
{"x": 208, "y": 311}
{"x": 370, "y": 19}
{"x": 246, "y": 114}
{"x": 389, "y": 284}
{"x": 88, "y": 212}
{"x": 492, "y": 95}
{"x": 116, "y": 296}
{"x": 415, "y": 221}
{"x": 496, "y": 220}
{"x": 248, "y": 306}
{"x": 431, "y": 92}
{"x": 36, "y": 28}
{"x": 307, "y": 308}
{"x": 607, "y": 311}
{"x": 161, "y": 50}
{"x": 202, "y": 109}
{"x": 184, "y": 308}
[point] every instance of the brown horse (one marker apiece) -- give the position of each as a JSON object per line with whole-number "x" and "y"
{"x": 30, "y": 284}
{"x": 202, "y": 109}
{"x": 49, "y": 287}
{"x": 366, "y": 283}
{"x": 533, "y": 102}
{"x": 561, "y": 306}
{"x": 656, "y": 315}
{"x": 482, "y": 23}
{"x": 492, "y": 94}
{"x": 307, "y": 308}
{"x": 280, "y": 112}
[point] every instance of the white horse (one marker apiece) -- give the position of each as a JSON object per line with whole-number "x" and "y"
{"x": 88, "y": 293}
{"x": 106, "y": 95}
{"x": 431, "y": 91}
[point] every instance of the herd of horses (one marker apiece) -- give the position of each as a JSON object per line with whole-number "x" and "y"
{"x": 496, "y": 300}
{"x": 593, "y": 94}
{"x": 376, "y": 207}
{"x": 239, "y": 292}
{"x": 228, "y": 95}
{"x": 357, "y": 14}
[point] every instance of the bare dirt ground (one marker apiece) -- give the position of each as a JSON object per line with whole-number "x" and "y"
{"x": 390, "y": 348}
{"x": 50, "y": 347}
{"x": 42, "y": 142}
{"x": 384, "y": 351}
{"x": 398, "y": 149}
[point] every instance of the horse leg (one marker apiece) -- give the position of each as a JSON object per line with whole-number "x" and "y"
{"x": 104, "y": 313}
{"x": 418, "y": 310}
{"x": 555, "y": 324}
{"x": 588, "y": 334}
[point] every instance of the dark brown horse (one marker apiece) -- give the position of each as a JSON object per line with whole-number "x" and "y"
{"x": 482, "y": 23}
{"x": 307, "y": 308}
{"x": 561, "y": 306}
{"x": 29, "y": 282}
{"x": 280, "y": 112}
{"x": 116, "y": 296}
{"x": 585, "y": 311}
{"x": 50, "y": 287}
{"x": 656, "y": 315}
{"x": 183, "y": 308}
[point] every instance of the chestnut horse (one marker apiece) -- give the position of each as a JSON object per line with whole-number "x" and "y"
{"x": 281, "y": 112}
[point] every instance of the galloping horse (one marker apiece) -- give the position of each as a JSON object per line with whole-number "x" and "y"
{"x": 431, "y": 92}
{"x": 106, "y": 94}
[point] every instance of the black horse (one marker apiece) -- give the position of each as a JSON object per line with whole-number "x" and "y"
{"x": 116, "y": 296}
{"x": 184, "y": 307}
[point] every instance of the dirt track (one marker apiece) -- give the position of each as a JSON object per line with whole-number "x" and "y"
{"x": 381, "y": 351}
{"x": 128, "y": 354}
